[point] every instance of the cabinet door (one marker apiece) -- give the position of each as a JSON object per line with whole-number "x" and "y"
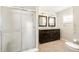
{"x": 28, "y": 31}
{"x": 11, "y": 36}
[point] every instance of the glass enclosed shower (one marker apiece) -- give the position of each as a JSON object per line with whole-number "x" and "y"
{"x": 17, "y": 30}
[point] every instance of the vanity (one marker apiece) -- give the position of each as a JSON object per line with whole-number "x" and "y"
{"x": 47, "y": 29}
{"x": 49, "y": 35}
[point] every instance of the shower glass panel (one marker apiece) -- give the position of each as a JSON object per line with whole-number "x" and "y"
{"x": 11, "y": 26}
{"x": 18, "y": 30}
{"x": 0, "y": 40}
{"x": 28, "y": 31}
{"x": 0, "y": 29}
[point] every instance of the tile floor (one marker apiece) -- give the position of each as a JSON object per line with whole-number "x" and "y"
{"x": 54, "y": 46}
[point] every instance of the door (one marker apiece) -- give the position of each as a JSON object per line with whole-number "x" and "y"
{"x": 11, "y": 34}
{"x": 28, "y": 30}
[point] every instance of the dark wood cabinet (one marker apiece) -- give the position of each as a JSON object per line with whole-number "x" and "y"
{"x": 49, "y": 35}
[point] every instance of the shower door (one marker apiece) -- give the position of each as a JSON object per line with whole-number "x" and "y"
{"x": 28, "y": 30}
{"x": 18, "y": 30}
{"x": 11, "y": 26}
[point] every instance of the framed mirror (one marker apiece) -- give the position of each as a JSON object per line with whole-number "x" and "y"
{"x": 51, "y": 21}
{"x": 42, "y": 21}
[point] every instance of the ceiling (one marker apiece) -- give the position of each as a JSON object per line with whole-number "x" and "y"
{"x": 25, "y": 7}
{"x": 53, "y": 8}
{"x": 44, "y": 8}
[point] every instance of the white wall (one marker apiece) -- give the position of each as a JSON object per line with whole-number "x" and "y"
{"x": 66, "y": 29}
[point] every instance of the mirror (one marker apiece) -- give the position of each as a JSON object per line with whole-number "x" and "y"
{"x": 51, "y": 21}
{"x": 42, "y": 21}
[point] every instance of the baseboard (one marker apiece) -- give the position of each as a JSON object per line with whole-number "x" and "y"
{"x": 31, "y": 50}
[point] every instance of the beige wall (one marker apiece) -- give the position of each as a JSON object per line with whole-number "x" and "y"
{"x": 66, "y": 29}
{"x": 76, "y": 21}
